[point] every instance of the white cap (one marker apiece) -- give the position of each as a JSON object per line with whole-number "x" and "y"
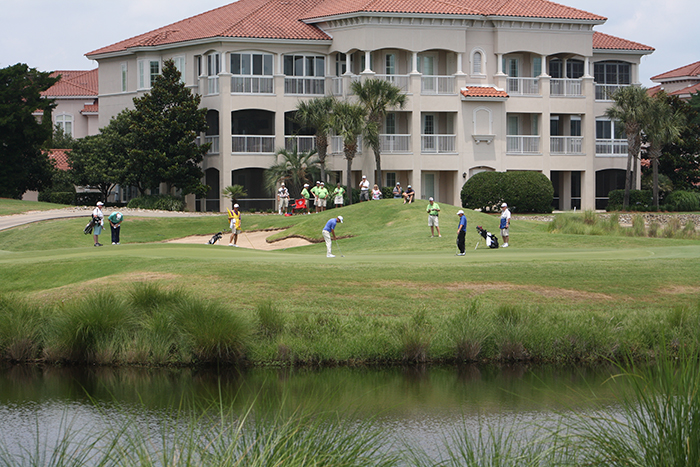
{"x": 318, "y": 182}
{"x": 364, "y": 176}
{"x": 340, "y": 218}
{"x": 119, "y": 216}
{"x": 504, "y": 205}
{"x": 409, "y": 186}
{"x": 305, "y": 185}
{"x": 100, "y": 203}
{"x": 431, "y": 199}
{"x": 323, "y": 184}
{"x": 398, "y": 183}
{"x": 235, "y": 205}
{"x": 460, "y": 212}
{"x": 282, "y": 183}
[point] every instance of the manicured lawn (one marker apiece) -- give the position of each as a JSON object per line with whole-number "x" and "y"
{"x": 16, "y": 206}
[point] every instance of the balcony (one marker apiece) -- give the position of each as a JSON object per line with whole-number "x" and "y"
{"x": 566, "y": 145}
{"x": 337, "y": 86}
{"x": 252, "y": 84}
{"x": 246, "y": 144}
{"x": 400, "y": 81}
{"x": 305, "y": 85}
{"x": 605, "y": 92}
{"x": 611, "y": 148}
{"x": 523, "y": 87}
{"x": 336, "y": 145}
{"x": 394, "y": 144}
{"x": 438, "y": 144}
{"x": 214, "y": 140}
{"x": 565, "y": 87}
{"x": 301, "y": 143}
{"x": 212, "y": 85}
{"x": 524, "y": 145}
{"x": 437, "y": 85}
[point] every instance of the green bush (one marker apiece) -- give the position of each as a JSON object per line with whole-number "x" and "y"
{"x": 57, "y": 197}
{"x": 158, "y": 202}
{"x": 524, "y": 191}
{"x": 640, "y": 200}
{"x": 683, "y": 201}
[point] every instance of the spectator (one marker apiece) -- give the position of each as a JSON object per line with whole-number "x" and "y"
{"x": 398, "y": 192}
{"x": 376, "y": 193}
{"x": 408, "y": 195}
{"x": 338, "y": 194}
{"x": 433, "y": 213}
{"x": 364, "y": 189}
{"x": 505, "y": 224}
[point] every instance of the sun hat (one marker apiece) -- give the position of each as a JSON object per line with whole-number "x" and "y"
{"x": 460, "y": 212}
{"x": 235, "y": 206}
{"x": 340, "y": 218}
{"x": 504, "y": 205}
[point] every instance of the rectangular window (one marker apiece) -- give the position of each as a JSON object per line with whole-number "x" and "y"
{"x": 390, "y": 125}
{"x": 154, "y": 67}
{"x": 536, "y": 67}
{"x": 426, "y": 65}
{"x": 340, "y": 64}
{"x": 391, "y": 179}
{"x": 574, "y": 69}
{"x": 390, "y": 64}
{"x": 142, "y": 74}
{"x": 554, "y": 126}
{"x": 575, "y": 126}
{"x": 213, "y": 64}
{"x": 180, "y": 66}
{"x": 301, "y": 65}
{"x": 555, "y": 68}
{"x": 603, "y": 129}
{"x": 513, "y": 125}
{"x": 124, "y": 77}
{"x": 476, "y": 63}
{"x": 428, "y": 124}
{"x": 512, "y": 69}
{"x": 198, "y": 66}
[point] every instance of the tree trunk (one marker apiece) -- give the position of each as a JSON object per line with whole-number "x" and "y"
{"x": 628, "y": 182}
{"x": 322, "y": 151}
{"x": 348, "y": 179}
{"x": 378, "y": 160}
{"x": 654, "y": 153}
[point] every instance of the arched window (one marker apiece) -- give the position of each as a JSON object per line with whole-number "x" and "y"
{"x": 65, "y": 123}
{"x": 478, "y": 62}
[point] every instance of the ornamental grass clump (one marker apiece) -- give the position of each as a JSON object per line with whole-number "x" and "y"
{"x": 21, "y": 327}
{"x": 638, "y": 226}
{"x": 467, "y": 330}
{"x": 415, "y": 337}
{"x": 270, "y": 320}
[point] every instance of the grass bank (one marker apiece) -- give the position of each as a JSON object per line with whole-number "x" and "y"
{"x": 16, "y": 206}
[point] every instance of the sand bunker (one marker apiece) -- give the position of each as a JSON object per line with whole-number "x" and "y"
{"x": 256, "y": 240}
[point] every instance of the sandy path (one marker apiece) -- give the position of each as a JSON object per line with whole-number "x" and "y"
{"x": 256, "y": 240}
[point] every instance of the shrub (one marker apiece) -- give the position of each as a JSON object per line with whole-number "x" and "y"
{"x": 270, "y": 320}
{"x": 387, "y": 192}
{"x": 87, "y": 199}
{"x": 640, "y": 200}
{"x": 158, "y": 202}
{"x": 638, "y": 226}
{"x": 57, "y": 197}
{"x": 683, "y": 201}
{"x": 524, "y": 191}
{"x": 20, "y": 330}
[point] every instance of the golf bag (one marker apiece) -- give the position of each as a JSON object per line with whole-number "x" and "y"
{"x": 215, "y": 238}
{"x": 90, "y": 225}
{"x": 491, "y": 239}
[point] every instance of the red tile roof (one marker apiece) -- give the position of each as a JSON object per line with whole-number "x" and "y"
{"x": 692, "y": 70}
{"x": 687, "y": 91}
{"x": 483, "y": 92}
{"x": 60, "y": 158}
{"x": 74, "y": 83}
{"x": 608, "y": 42}
{"x": 283, "y": 19}
{"x": 91, "y": 108}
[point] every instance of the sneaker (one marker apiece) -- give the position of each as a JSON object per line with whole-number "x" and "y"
{"x": 118, "y": 243}
{"x": 440, "y": 236}
{"x": 98, "y": 244}
{"x": 235, "y": 245}
{"x": 230, "y": 244}
{"x": 330, "y": 256}
{"x": 460, "y": 254}
{"x": 505, "y": 245}
{"x": 114, "y": 243}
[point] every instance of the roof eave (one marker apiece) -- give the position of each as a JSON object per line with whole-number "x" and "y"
{"x": 539, "y": 19}
{"x": 355, "y": 14}
{"x": 625, "y": 51}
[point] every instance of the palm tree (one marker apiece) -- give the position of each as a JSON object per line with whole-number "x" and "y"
{"x": 315, "y": 113}
{"x": 630, "y": 107}
{"x": 295, "y": 169}
{"x": 233, "y": 192}
{"x": 377, "y": 95}
{"x": 347, "y": 120}
{"x": 663, "y": 126}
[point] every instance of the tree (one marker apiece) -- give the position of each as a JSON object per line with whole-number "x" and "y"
{"x": 164, "y": 126}
{"x": 98, "y": 161}
{"x": 233, "y": 192}
{"x": 23, "y": 165}
{"x": 630, "y": 107}
{"x": 315, "y": 113}
{"x": 348, "y": 121}
{"x": 680, "y": 160}
{"x": 59, "y": 139}
{"x": 376, "y": 96}
{"x": 662, "y": 126}
{"x": 295, "y": 169}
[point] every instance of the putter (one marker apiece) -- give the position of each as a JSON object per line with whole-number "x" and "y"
{"x": 339, "y": 250}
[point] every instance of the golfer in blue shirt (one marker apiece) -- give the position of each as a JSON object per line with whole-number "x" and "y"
{"x": 329, "y": 230}
{"x": 461, "y": 232}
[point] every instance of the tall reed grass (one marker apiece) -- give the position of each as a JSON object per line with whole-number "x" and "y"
{"x": 590, "y": 223}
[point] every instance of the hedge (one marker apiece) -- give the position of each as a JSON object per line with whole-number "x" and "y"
{"x": 640, "y": 200}
{"x": 159, "y": 202}
{"x": 683, "y": 201}
{"x": 524, "y": 191}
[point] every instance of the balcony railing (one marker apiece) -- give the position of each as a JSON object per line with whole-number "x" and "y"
{"x": 252, "y": 84}
{"x": 337, "y": 86}
{"x": 394, "y": 144}
{"x": 611, "y": 147}
{"x": 523, "y": 144}
{"x": 336, "y": 145}
{"x": 302, "y": 143}
{"x": 242, "y": 144}
{"x": 436, "y": 85}
{"x": 213, "y": 85}
{"x": 565, "y": 87}
{"x": 305, "y": 85}
{"x": 214, "y": 140}
{"x": 523, "y": 86}
{"x": 605, "y": 92}
{"x": 564, "y": 145}
{"x": 400, "y": 81}
{"x": 438, "y": 144}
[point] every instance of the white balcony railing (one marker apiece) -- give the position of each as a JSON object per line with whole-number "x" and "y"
{"x": 565, "y": 87}
{"x": 213, "y": 85}
{"x": 523, "y": 144}
{"x": 605, "y": 92}
{"x": 252, "y": 84}
{"x": 564, "y": 145}
{"x": 337, "y": 86}
{"x": 214, "y": 140}
{"x": 302, "y": 143}
{"x": 523, "y": 86}
{"x": 305, "y": 85}
{"x": 242, "y": 144}
{"x": 336, "y": 145}
{"x": 438, "y": 144}
{"x": 400, "y": 81}
{"x": 436, "y": 85}
{"x": 394, "y": 144}
{"x": 611, "y": 147}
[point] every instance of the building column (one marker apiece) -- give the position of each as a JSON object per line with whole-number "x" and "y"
{"x": 225, "y": 162}
{"x": 499, "y": 64}
{"x": 460, "y": 64}
{"x": 367, "y": 69}
{"x": 414, "y": 63}
{"x": 587, "y": 67}
{"x": 543, "y": 72}
{"x": 564, "y": 62}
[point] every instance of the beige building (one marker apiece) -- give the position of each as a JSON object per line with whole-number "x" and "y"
{"x": 507, "y": 85}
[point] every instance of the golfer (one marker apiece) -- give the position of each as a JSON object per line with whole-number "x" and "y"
{"x": 505, "y": 224}
{"x": 99, "y": 219}
{"x": 328, "y": 231}
{"x": 115, "y": 223}
{"x": 433, "y": 210}
{"x": 461, "y": 232}
{"x": 235, "y": 223}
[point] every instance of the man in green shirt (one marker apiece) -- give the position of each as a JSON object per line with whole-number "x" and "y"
{"x": 306, "y": 195}
{"x": 433, "y": 210}
{"x": 115, "y": 222}
{"x": 338, "y": 195}
{"x": 314, "y": 191}
{"x": 322, "y": 194}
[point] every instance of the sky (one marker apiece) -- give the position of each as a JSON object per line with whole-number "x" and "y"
{"x": 55, "y": 35}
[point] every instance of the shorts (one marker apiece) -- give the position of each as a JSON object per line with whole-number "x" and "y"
{"x": 433, "y": 221}
{"x": 235, "y": 231}
{"x": 339, "y": 200}
{"x": 504, "y": 232}
{"x": 309, "y": 202}
{"x": 97, "y": 230}
{"x": 284, "y": 202}
{"x": 321, "y": 202}
{"x": 364, "y": 194}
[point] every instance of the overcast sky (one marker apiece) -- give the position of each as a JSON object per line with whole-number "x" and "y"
{"x": 55, "y": 35}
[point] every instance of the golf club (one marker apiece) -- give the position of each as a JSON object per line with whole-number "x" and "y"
{"x": 477, "y": 245}
{"x": 339, "y": 250}
{"x": 251, "y": 243}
